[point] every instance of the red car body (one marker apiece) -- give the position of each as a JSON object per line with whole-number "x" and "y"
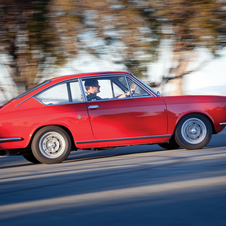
{"x": 103, "y": 123}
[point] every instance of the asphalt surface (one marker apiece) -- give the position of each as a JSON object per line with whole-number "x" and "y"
{"x": 136, "y": 185}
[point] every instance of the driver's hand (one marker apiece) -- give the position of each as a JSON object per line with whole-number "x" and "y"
{"x": 132, "y": 90}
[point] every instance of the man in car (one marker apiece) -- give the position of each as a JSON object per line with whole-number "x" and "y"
{"x": 92, "y": 86}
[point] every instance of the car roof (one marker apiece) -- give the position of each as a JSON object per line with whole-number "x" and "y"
{"x": 66, "y": 77}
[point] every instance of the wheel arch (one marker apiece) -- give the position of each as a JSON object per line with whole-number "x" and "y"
{"x": 62, "y": 127}
{"x": 199, "y": 113}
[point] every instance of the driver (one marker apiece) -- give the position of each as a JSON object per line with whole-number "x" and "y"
{"x": 93, "y": 88}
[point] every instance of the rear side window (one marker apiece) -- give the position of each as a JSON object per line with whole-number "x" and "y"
{"x": 62, "y": 93}
{"x": 55, "y": 95}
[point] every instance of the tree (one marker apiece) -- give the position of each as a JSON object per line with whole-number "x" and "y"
{"x": 28, "y": 37}
{"x": 141, "y": 26}
{"x": 190, "y": 24}
{"x": 39, "y": 33}
{"x": 108, "y": 24}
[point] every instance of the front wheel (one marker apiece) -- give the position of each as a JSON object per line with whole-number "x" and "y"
{"x": 51, "y": 144}
{"x": 171, "y": 144}
{"x": 193, "y": 131}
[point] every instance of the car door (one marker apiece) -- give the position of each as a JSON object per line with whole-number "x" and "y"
{"x": 138, "y": 115}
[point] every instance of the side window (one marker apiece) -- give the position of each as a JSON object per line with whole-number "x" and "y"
{"x": 117, "y": 90}
{"x": 105, "y": 88}
{"x": 97, "y": 89}
{"x": 136, "y": 90}
{"x": 119, "y": 86}
{"x": 57, "y": 94}
{"x": 76, "y": 94}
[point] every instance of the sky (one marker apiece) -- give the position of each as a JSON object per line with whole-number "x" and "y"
{"x": 209, "y": 79}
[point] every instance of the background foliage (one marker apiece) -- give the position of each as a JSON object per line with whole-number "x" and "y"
{"x": 38, "y": 33}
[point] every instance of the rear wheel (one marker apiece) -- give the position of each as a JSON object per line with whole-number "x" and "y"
{"x": 30, "y": 157}
{"x": 193, "y": 131}
{"x": 51, "y": 144}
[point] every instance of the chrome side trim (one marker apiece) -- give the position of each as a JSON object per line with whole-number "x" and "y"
{"x": 23, "y": 101}
{"x": 29, "y": 91}
{"x": 3, "y": 140}
{"x": 223, "y": 123}
{"x": 122, "y": 139}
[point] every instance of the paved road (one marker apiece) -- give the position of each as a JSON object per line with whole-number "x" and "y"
{"x": 137, "y": 185}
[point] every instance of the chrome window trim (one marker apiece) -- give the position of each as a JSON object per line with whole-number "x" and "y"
{"x": 149, "y": 90}
{"x": 150, "y": 94}
{"x": 128, "y": 87}
{"x": 147, "y": 87}
{"x": 82, "y": 90}
{"x": 112, "y": 90}
{"x": 60, "y": 103}
{"x": 23, "y": 101}
{"x": 117, "y": 99}
{"x": 69, "y": 92}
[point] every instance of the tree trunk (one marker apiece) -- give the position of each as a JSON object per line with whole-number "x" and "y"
{"x": 181, "y": 58}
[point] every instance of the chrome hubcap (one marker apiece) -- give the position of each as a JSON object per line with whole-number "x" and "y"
{"x": 52, "y": 145}
{"x": 194, "y": 130}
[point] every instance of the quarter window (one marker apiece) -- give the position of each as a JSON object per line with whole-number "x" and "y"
{"x": 138, "y": 91}
{"x": 55, "y": 95}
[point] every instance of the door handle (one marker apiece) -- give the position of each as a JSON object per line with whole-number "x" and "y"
{"x": 93, "y": 106}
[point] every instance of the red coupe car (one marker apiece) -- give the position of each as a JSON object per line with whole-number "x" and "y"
{"x": 102, "y": 110}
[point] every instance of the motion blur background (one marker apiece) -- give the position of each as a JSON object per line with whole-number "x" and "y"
{"x": 176, "y": 46}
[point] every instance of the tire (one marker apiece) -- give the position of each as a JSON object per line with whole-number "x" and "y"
{"x": 193, "y": 131}
{"x": 171, "y": 144}
{"x": 51, "y": 144}
{"x": 30, "y": 157}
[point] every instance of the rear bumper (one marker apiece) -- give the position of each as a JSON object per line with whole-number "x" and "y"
{"x": 223, "y": 123}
